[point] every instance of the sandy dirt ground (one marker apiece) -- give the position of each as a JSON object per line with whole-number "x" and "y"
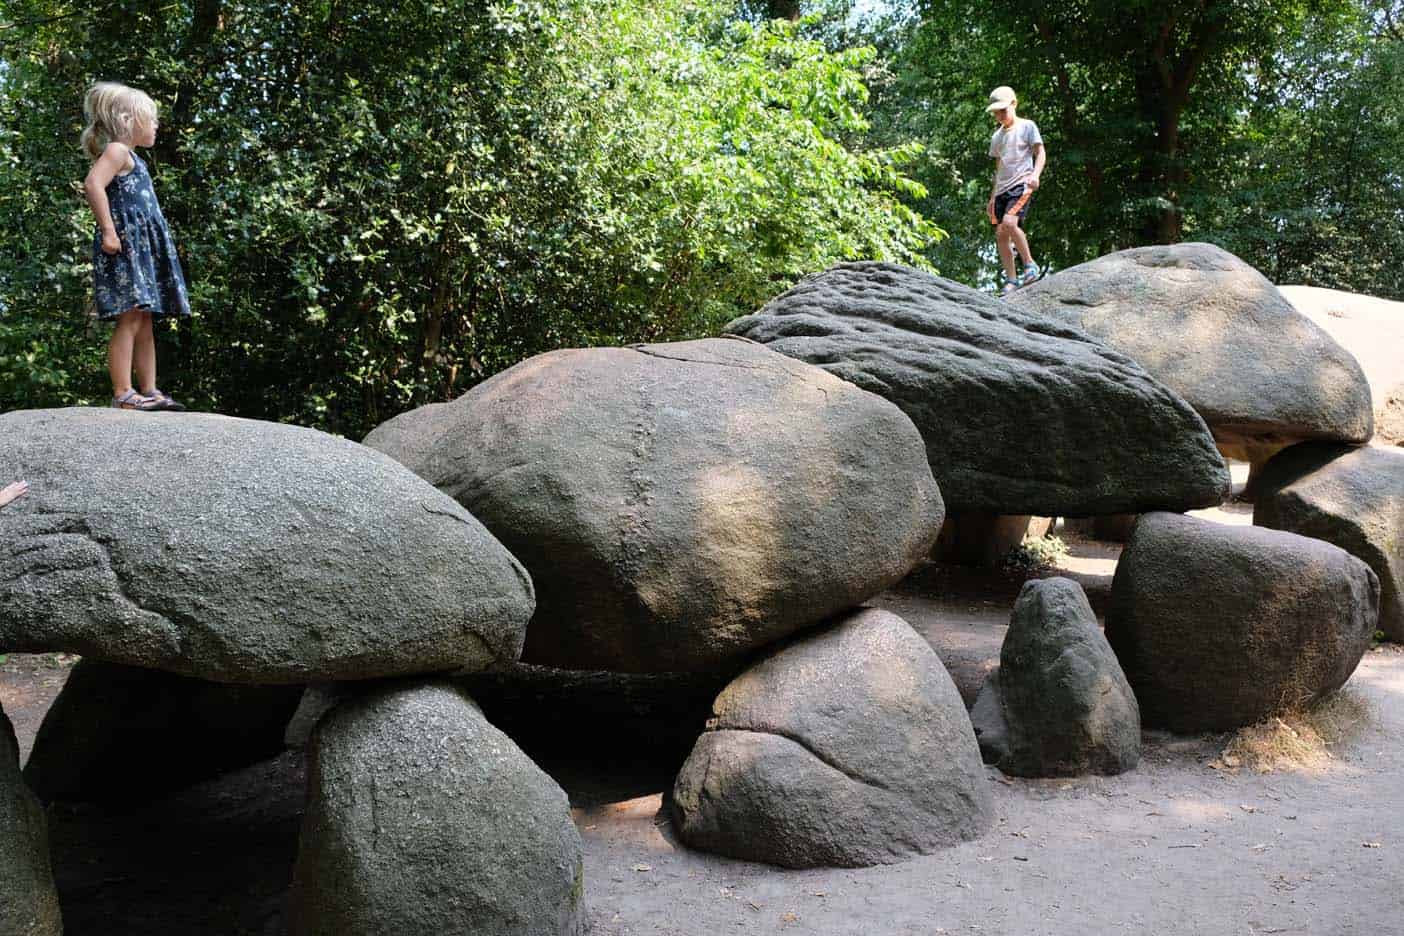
{"x": 1173, "y": 847}
{"x": 28, "y": 683}
{"x": 1185, "y": 844}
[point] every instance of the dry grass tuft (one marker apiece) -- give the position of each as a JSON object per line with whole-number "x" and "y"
{"x": 1299, "y": 740}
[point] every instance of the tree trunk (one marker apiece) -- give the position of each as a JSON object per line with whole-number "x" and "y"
{"x": 431, "y": 338}
{"x": 1169, "y": 222}
{"x": 1071, "y": 126}
{"x": 204, "y": 24}
{"x": 783, "y": 9}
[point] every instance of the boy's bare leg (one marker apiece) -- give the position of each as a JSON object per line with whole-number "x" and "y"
{"x": 1021, "y": 241}
{"x": 144, "y": 356}
{"x": 119, "y": 350}
{"x": 1004, "y": 239}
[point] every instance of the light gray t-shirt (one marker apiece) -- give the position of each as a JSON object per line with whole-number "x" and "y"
{"x": 1014, "y": 150}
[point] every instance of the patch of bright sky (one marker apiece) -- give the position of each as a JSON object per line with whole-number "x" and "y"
{"x": 865, "y": 8}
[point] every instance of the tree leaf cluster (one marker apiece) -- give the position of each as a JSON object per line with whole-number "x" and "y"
{"x": 1272, "y": 129}
{"x": 378, "y": 206}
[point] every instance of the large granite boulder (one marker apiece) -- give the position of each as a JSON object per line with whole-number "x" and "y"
{"x": 1220, "y": 335}
{"x": 848, "y": 747}
{"x": 679, "y": 505}
{"x": 1059, "y": 704}
{"x": 1372, "y": 330}
{"x": 242, "y": 551}
{"x": 1353, "y": 497}
{"x": 28, "y": 902}
{"x": 423, "y": 818}
{"x": 124, "y": 733}
{"x": 1218, "y": 627}
{"x": 1020, "y": 415}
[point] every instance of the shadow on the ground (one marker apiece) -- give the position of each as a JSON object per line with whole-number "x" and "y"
{"x": 215, "y": 859}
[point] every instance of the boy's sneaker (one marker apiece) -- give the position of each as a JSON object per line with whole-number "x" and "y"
{"x": 1032, "y": 274}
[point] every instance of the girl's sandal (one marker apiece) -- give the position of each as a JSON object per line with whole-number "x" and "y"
{"x": 166, "y": 401}
{"x": 131, "y": 400}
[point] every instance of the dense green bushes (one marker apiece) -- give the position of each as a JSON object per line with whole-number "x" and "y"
{"x": 1270, "y": 128}
{"x": 379, "y": 206}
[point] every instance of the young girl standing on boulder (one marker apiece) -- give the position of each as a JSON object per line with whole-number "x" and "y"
{"x": 135, "y": 269}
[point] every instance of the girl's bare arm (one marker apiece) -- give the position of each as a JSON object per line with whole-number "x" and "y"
{"x": 11, "y": 491}
{"x": 112, "y": 161}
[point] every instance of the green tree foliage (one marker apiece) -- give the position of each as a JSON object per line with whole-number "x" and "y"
{"x": 1311, "y": 188}
{"x": 380, "y": 205}
{"x": 1270, "y": 128}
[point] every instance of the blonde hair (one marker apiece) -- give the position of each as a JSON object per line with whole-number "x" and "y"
{"x": 114, "y": 112}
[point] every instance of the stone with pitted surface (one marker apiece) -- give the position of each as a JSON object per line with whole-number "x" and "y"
{"x": 845, "y": 748}
{"x": 680, "y": 505}
{"x": 1020, "y": 414}
{"x": 1214, "y": 330}
{"x": 242, "y": 551}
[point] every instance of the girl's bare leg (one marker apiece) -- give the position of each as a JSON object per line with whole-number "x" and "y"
{"x": 144, "y": 356}
{"x": 119, "y": 350}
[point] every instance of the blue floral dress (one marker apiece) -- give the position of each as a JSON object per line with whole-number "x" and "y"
{"x": 145, "y": 273}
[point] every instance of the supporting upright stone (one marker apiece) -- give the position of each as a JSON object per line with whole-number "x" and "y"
{"x": 1059, "y": 704}
{"x": 1109, "y": 528}
{"x": 1218, "y": 627}
{"x": 846, "y": 747}
{"x": 423, "y": 818}
{"x": 28, "y": 902}
{"x": 981, "y": 538}
{"x": 1350, "y": 496}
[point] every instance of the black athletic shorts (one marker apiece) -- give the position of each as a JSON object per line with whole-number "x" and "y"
{"x": 1004, "y": 200}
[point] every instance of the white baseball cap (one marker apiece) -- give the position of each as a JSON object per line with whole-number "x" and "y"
{"x": 1002, "y": 97}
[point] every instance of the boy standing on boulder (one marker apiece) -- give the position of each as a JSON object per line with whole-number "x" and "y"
{"x": 1017, "y": 148}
